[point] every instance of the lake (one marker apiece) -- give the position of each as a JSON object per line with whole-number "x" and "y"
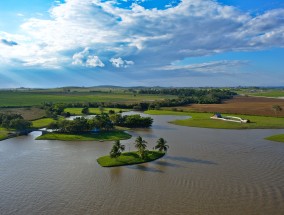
{"x": 206, "y": 171}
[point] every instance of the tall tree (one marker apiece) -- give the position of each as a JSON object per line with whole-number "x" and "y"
{"x": 276, "y": 108}
{"x": 116, "y": 149}
{"x": 141, "y": 145}
{"x": 161, "y": 145}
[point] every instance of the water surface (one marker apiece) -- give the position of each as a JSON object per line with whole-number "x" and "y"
{"x": 206, "y": 171}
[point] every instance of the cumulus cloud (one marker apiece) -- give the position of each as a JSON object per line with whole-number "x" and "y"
{"x": 85, "y": 58}
{"x": 151, "y": 37}
{"x": 8, "y": 42}
{"x": 119, "y": 62}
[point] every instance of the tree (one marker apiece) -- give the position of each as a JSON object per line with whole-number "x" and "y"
{"x": 102, "y": 109}
{"x": 85, "y": 110}
{"x": 161, "y": 145}
{"x": 20, "y": 124}
{"x": 116, "y": 149}
{"x": 141, "y": 145}
{"x": 276, "y": 108}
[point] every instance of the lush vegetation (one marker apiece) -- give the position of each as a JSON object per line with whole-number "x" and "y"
{"x": 131, "y": 121}
{"x": 14, "y": 121}
{"x": 100, "y": 136}
{"x": 78, "y": 111}
{"x": 42, "y": 123}
{"x": 129, "y": 158}
{"x": 202, "y": 120}
{"x": 277, "y": 138}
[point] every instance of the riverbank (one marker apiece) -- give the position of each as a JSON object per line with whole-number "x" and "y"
{"x": 202, "y": 120}
{"x": 276, "y": 138}
{"x": 129, "y": 158}
{"x": 100, "y": 136}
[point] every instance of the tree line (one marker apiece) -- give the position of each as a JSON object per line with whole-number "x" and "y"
{"x": 102, "y": 121}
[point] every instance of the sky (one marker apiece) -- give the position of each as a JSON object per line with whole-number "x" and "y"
{"x": 173, "y": 43}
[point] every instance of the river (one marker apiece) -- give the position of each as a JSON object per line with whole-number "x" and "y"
{"x": 206, "y": 171}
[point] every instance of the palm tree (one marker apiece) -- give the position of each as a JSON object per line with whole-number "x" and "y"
{"x": 161, "y": 145}
{"x": 141, "y": 145}
{"x": 116, "y": 149}
{"x": 276, "y": 108}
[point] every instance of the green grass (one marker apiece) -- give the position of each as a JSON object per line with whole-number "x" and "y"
{"x": 31, "y": 98}
{"x": 101, "y": 136}
{"x": 42, "y": 123}
{"x": 4, "y": 133}
{"x": 277, "y": 138}
{"x": 128, "y": 158}
{"x": 78, "y": 111}
{"x": 262, "y": 92}
{"x": 202, "y": 120}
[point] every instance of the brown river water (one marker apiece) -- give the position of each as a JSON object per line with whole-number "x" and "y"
{"x": 206, "y": 171}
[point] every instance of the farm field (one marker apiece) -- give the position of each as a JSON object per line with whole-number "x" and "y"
{"x": 20, "y": 99}
{"x": 240, "y": 105}
{"x": 28, "y": 113}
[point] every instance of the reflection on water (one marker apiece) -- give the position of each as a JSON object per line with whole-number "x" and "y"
{"x": 206, "y": 171}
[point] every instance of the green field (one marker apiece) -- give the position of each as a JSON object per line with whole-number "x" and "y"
{"x": 276, "y": 138}
{"x": 42, "y": 123}
{"x": 101, "y": 136}
{"x": 202, "y": 120}
{"x": 262, "y": 92}
{"x": 128, "y": 158}
{"x": 78, "y": 111}
{"x": 17, "y": 99}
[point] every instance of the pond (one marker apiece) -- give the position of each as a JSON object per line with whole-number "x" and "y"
{"x": 206, "y": 171}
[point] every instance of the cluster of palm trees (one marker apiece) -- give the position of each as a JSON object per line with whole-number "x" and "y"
{"x": 140, "y": 145}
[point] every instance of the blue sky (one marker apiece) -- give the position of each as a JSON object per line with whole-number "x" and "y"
{"x": 47, "y": 43}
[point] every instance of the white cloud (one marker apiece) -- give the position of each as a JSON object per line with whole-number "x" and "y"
{"x": 85, "y": 58}
{"x": 119, "y": 62}
{"x": 151, "y": 37}
{"x": 224, "y": 66}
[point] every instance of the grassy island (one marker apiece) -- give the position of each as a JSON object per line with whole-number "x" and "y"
{"x": 276, "y": 138}
{"x": 129, "y": 158}
{"x": 202, "y": 120}
{"x": 101, "y": 136}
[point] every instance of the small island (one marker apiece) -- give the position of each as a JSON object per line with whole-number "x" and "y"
{"x": 102, "y": 127}
{"x": 129, "y": 158}
{"x": 117, "y": 158}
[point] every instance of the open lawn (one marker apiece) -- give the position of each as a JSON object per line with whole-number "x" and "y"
{"x": 42, "y": 123}
{"x": 128, "y": 158}
{"x": 202, "y": 120}
{"x": 101, "y": 136}
{"x": 30, "y": 98}
{"x": 78, "y": 111}
{"x": 277, "y": 138}
{"x": 240, "y": 105}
